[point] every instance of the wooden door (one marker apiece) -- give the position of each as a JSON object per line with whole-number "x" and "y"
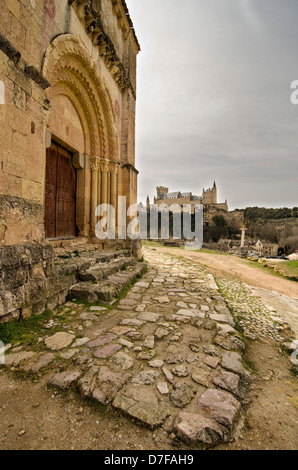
{"x": 60, "y": 194}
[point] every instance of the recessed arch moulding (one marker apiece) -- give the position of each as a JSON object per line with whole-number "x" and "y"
{"x": 84, "y": 117}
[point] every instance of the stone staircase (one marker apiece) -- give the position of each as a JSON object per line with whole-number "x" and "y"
{"x": 39, "y": 276}
{"x": 99, "y": 276}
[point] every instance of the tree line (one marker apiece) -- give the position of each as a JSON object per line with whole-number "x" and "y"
{"x": 261, "y": 223}
{"x": 263, "y": 213}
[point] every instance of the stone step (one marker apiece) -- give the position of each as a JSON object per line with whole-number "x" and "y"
{"x": 107, "y": 290}
{"x": 63, "y": 255}
{"x": 101, "y": 271}
{"x": 79, "y": 264}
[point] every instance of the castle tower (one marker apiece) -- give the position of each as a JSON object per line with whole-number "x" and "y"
{"x": 210, "y": 195}
{"x": 214, "y": 193}
{"x": 161, "y": 190}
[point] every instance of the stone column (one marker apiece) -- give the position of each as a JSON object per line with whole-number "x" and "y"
{"x": 99, "y": 188}
{"x": 120, "y": 191}
{"x": 243, "y": 228}
{"x": 94, "y": 183}
{"x": 113, "y": 194}
{"x": 114, "y": 171}
{"x": 104, "y": 183}
{"x": 109, "y": 187}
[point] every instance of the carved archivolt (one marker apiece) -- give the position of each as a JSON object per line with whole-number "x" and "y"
{"x": 84, "y": 113}
{"x": 72, "y": 71}
{"x": 89, "y": 13}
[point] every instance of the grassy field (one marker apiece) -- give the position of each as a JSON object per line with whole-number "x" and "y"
{"x": 212, "y": 252}
{"x": 260, "y": 266}
{"x": 286, "y": 269}
{"x": 289, "y": 268}
{"x": 292, "y": 267}
{"x": 202, "y": 250}
{"x": 151, "y": 244}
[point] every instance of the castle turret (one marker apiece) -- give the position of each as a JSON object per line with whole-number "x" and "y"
{"x": 210, "y": 196}
{"x": 161, "y": 190}
{"x": 214, "y": 193}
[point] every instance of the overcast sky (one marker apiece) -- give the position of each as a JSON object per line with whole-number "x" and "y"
{"x": 213, "y": 98}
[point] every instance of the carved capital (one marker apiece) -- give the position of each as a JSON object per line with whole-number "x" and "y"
{"x": 94, "y": 163}
{"x": 114, "y": 168}
{"x": 104, "y": 166}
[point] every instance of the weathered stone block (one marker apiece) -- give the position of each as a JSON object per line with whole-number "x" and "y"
{"x": 65, "y": 379}
{"x": 59, "y": 341}
{"x": 182, "y": 395}
{"x": 142, "y": 403}
{"x": 107, "y": 351}
{"x": 197, "y": 429}
{"x": 220, "y": 406}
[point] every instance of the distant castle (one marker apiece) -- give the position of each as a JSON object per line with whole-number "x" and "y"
{"x": 208, "y": 198}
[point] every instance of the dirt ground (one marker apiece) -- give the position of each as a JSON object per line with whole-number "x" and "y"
{"x": 271, "y": 420}
{"x": 239, "y": 269}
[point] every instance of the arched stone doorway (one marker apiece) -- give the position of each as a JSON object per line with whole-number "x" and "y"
{"x": 81, "y": 123}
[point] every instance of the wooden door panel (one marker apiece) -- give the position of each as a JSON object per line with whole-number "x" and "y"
{"x": 66, "y": 195}
{"x": 66, "y": 211}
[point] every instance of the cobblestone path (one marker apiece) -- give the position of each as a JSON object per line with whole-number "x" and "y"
{"x": 167, "y": 354}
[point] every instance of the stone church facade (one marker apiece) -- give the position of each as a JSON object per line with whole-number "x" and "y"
{"x": 67, "y": 132}
{"x": 68, "y": 70}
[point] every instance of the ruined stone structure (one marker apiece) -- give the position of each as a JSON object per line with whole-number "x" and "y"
{"x": 67, "y": 112}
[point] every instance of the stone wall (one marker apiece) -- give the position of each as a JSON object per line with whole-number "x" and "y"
{"x": 35, "y": 276}
{"x": 27, "y": 280}
{"x": 22, "y": 147}
{"x": 20, "y": 219}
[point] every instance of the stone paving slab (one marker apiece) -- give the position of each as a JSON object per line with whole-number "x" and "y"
{"x": 142, "y": 403}
{"x": 59, "y": 341}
